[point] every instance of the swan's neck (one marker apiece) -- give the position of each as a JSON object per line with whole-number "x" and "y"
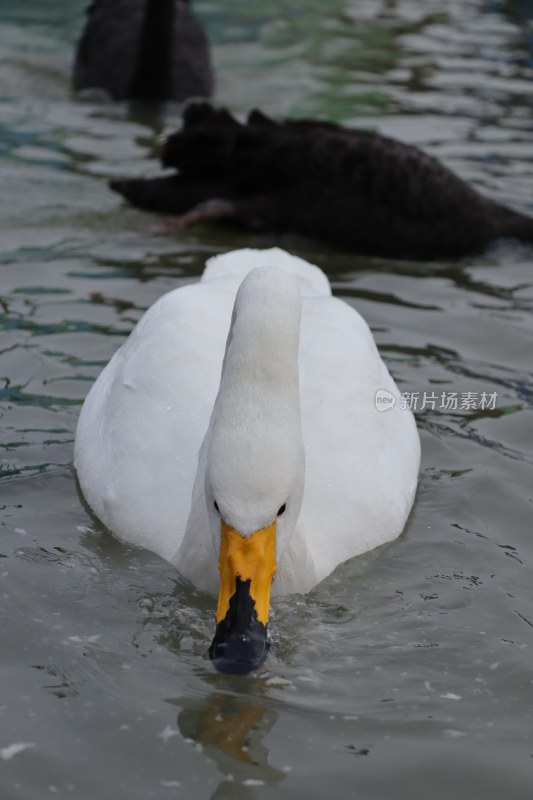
{"x": 260, "y": 369}
{"x": 255, "y": 437}
{"x": 151, "y": 78}
{"x": 252, "y": 459}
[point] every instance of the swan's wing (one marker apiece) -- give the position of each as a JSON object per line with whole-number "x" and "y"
{"x": 361, "y": 464}
{"x": 142, "y": 423}
{"x": 237, "y": 264}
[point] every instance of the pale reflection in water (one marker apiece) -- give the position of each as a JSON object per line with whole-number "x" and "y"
{"x": 231, "y": 731}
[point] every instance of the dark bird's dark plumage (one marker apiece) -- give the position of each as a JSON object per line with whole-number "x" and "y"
{"x": 357, "y": 190}
{"x": 152, "y": 50}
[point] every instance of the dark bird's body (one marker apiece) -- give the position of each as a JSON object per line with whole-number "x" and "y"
{"x": 153, "y": 50}
{"x": 357, "y": 190}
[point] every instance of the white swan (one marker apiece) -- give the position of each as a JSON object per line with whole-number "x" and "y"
{"x": 266, "y": 454}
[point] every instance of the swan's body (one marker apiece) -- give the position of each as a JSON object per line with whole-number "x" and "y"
{"x": 354, "y": 189}
{"x": 151, "y": 50}
{"x": 167, "y": 451}
{"x": 144, "y": 420}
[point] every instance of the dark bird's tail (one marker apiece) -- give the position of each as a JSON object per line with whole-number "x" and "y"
{"x": 514, "y": 225}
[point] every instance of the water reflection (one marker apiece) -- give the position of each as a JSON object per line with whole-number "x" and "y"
{"x": 230, "y": 730}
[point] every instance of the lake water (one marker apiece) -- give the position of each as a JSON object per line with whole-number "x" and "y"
{"x": 407, "y": 673}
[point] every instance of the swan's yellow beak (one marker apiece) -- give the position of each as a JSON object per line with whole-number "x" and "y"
{"x": 247, "y": 565}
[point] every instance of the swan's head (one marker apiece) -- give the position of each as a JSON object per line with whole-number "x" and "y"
{"x": 255, "y": 462}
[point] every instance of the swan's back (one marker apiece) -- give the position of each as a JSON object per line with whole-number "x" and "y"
{"x": 238, "y": 263}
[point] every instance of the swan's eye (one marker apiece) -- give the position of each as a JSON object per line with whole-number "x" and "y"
{"x": 217, "y": 508}
{"x": 282, "y": 509}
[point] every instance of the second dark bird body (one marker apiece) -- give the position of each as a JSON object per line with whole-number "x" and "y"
{"x": 152, "y": 50}
{"x": 357, "y": 190}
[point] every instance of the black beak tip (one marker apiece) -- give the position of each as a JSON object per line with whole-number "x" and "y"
{"x": 239, "y": 655}
{"x": 241, "y": 640}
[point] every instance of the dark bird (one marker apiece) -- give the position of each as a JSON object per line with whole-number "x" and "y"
{"x": 357, "y": 190}
{"x": 153, "y": 50}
